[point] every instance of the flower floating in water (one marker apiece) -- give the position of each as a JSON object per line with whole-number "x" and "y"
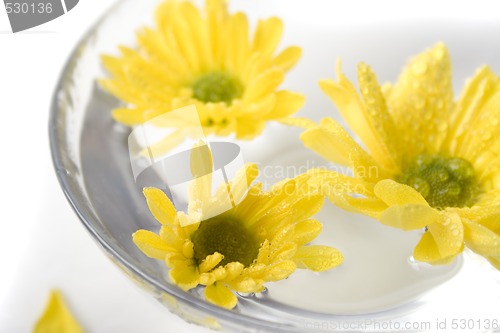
{"x": 262, "y": 238}
{"x": 57, "y": 317}
{"x": 205, "y": 57}
{"x": 429, "y": 162}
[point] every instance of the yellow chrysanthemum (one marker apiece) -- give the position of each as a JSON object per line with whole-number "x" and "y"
{"x": 205, "y": 57}
{"x": 261, "y": 239}
{"x": 428, "y": 162}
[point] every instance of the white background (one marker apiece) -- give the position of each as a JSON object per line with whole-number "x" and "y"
{"x": 42, "y": 243}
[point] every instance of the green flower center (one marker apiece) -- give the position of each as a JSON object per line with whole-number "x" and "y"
{"x": 217, "y": 87}
{"x": 228, "y": 237}
{"x": 442, "y": 181}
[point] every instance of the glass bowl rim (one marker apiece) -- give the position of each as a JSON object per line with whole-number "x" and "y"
{"x": 83, "y": 211}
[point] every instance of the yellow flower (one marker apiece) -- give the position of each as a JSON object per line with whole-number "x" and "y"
{"x": 56, "y": 317}
{"x": 427, "y": 161}
{"x": 207, "y": 58}
{"x": 261, "y": 239}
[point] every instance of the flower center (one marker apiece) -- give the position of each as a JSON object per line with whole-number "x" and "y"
{"x": 226, "y": 236}
{"x": 217, "y": 87}
{"x": 442, "y": 181}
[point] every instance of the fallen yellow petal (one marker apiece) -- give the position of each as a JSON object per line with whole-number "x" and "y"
{"x": 57, "y": 318}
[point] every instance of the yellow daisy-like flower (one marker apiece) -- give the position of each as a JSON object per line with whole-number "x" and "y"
{"x": 428, "y": 162}
{"x": 263, "y": 238}
{"x": 205, "y": 57}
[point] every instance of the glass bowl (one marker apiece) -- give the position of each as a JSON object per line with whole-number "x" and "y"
{"x": 378, "y": 287}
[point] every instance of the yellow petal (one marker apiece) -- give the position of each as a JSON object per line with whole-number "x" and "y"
{"x": 244, "y": 177}
{"x": 151, "y": 244}
{"x": 394, "y": 193}
{"x": 333, "y": 183}
{"x": 490, "y": 221}
{"x": 373, "y": 207}
{"x": 409, "y": 217}
{"x": 481, "y": 240}
{"x": 306, "y": 231}
{"x": 267, "y": 36}
{"x": 279, "y": 271}
{"x": 380, "y": 121}
{"x": 495, "y": 262}
{"x": 284, "y": 252}
{"x": 57, "y": 318}
{"x": 211, "y": 277}
{"x": 282, "y": 234}
{"x": 248, "y": 285}
{"x": 318, "y": 258}
{"x": 353, "y": 110}
{"x": 339, "y": 188}
{"x": 299, "y": 122}
{"x": 185, "y": 274}
{"x": 188, "y": 249}
{"x": 210, "y": 262}
{"x": 170, "y": 237}
{"x": 157, "y": 49}
{"x": 264, "y": 84}
{"x": 157, "y": 150}
{"x": 364, "y": 167}
{"x": 133, "y": 116}
{"x": 264, "y": 252}
{"x": 442, "y": 242}
{"x": 476, "y": 92}
{"x": 200, "y": 188}
{"x": 330, "y": 141}
{"x": 421, "y": 101}
{"x": 233, "y": 270}
{"x": 427, "y": 249}
{"x": 160, "y": 206}
{"x": 198, "y": 36}
{"x": 238, "y": 43}
{"x": 173, "y": 259}
{"x": 480, "y": 143}
{"x": 286, "y": 104}
{"x": 288, "y": 58}
{"x": 260, "y": 206}
{"x": 200, "y": 161}
{"x": 219, "y": 295}
{"x": 247, "y": 128}
{"x": 307, "y": 206}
